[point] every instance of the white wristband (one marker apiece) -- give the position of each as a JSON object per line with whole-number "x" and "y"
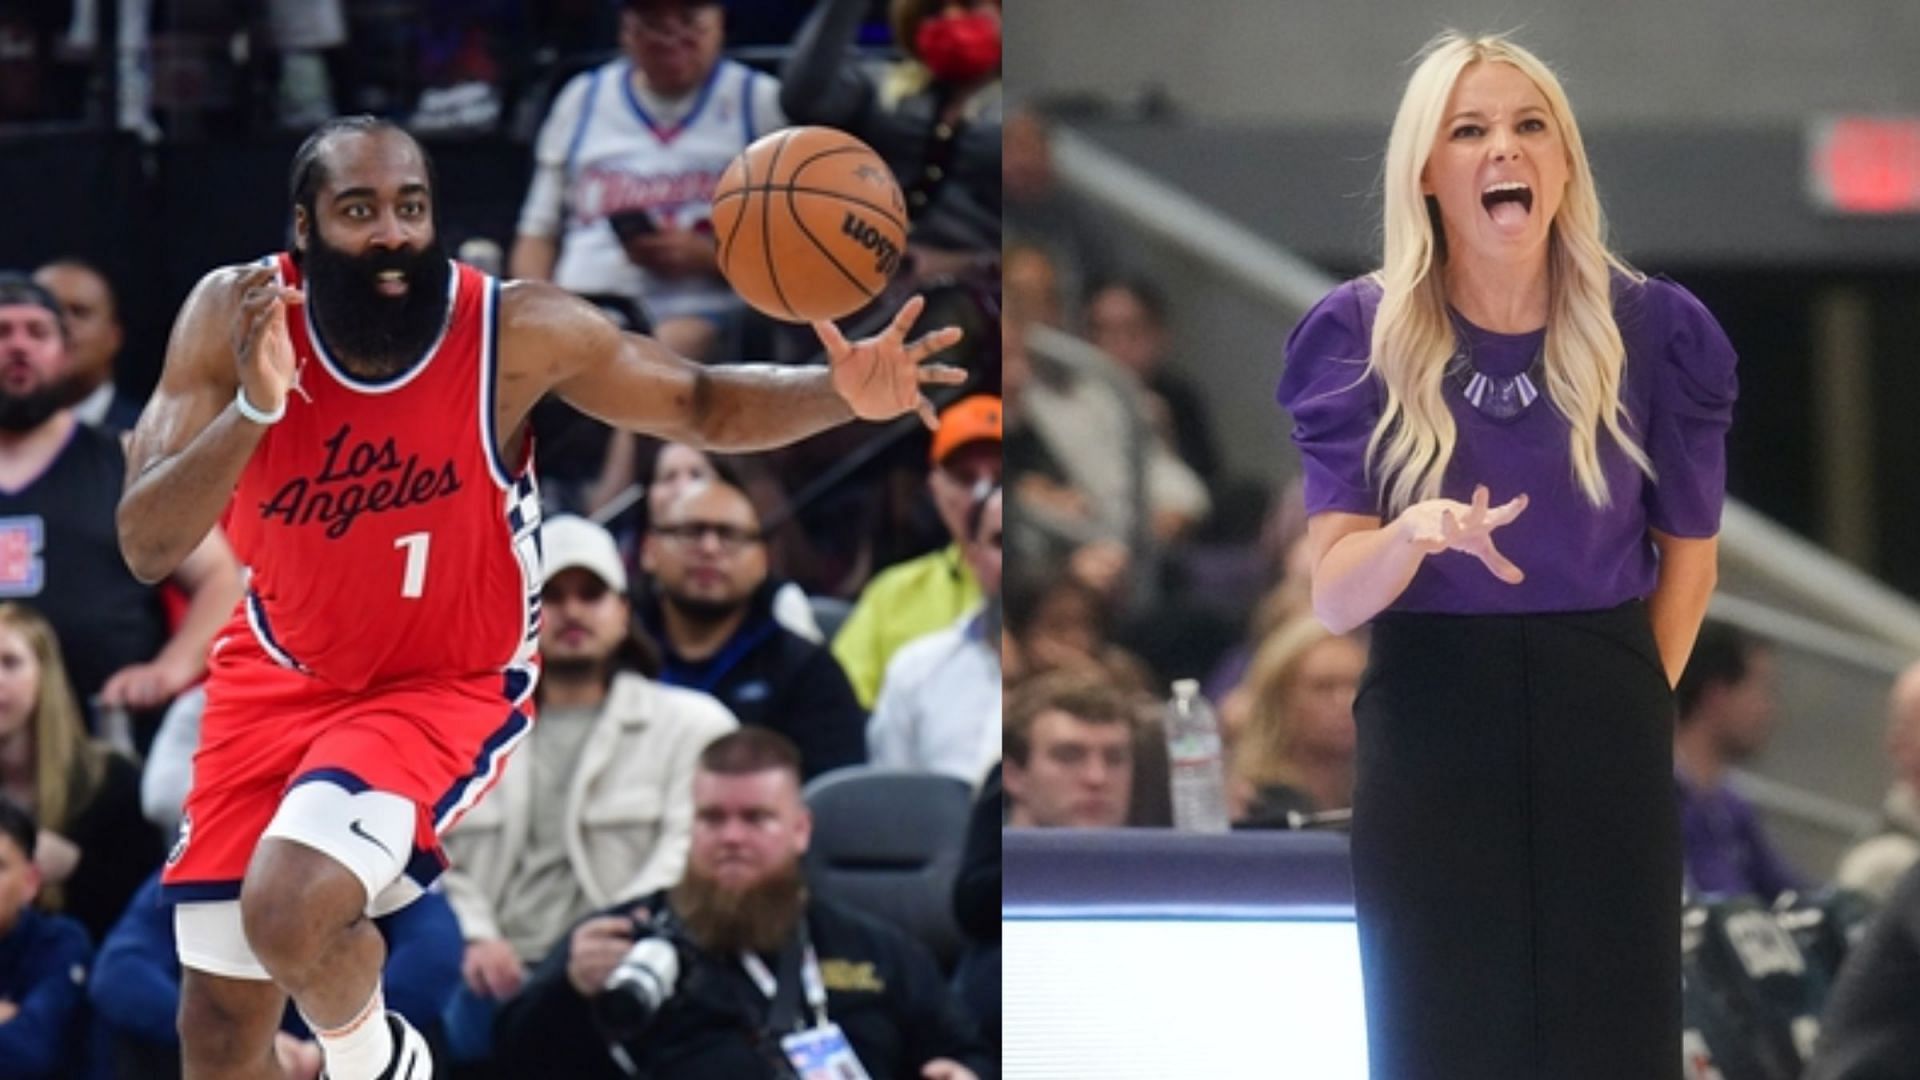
{"x": 256, "y": 415}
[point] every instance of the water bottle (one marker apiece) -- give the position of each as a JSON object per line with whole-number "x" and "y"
{"x": 1193, "y": 750}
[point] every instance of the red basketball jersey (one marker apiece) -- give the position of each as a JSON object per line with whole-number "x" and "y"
{"x": 384, "y": 537}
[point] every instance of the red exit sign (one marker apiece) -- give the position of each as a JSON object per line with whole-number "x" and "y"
{"x": 1865, "y": 164}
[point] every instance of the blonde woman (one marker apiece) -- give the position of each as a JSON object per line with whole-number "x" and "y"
{"x": 1294, "y": 747}
{"x": 95, "y": 847}
{"x": 1514, "y": 463}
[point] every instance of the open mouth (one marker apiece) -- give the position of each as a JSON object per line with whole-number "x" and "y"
{"x": 1508, "y": 202}
{"x": 391, "y": 283}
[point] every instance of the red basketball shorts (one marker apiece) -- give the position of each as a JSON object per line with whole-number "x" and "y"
{"x": 439, "y": 743}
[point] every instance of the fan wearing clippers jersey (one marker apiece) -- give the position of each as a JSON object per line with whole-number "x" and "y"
{"x": 357, "y": 410}
{"x": 626, "y": 163}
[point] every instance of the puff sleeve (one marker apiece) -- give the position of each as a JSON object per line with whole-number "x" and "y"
{"x": 1334, "y": 401}
{"x": 1692, "y": 409}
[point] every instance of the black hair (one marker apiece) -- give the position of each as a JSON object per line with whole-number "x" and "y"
{"x": 1720, "y": 658}
{"x": 1151, "y": 298}
{"x": 17, "y": 824}
{"x": 19, "y": 289}
{"x": 1027, "y": 589}
{"x": 306, "y": 174}
{"x": 724, "y": 467}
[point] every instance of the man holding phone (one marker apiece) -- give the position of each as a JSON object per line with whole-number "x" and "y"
{"x": 626, "y": 164}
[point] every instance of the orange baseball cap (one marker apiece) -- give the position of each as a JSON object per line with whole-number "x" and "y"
{"x": 969, "y": 420}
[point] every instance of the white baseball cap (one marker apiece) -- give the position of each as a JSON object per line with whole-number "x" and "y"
{"x": 568, "y": 541}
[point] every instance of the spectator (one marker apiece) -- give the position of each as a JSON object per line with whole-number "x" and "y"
{"x": 136, "y": 986}
{"x": 939, "y": 708}
{"x": 1293, "y": 718}
{"x": 739, "y": 917}
{"x": 43, "y": 964}
{"x": 1870, "y": 1029}
{"x": 1066, "y": 448}
{"x": 1876, "y": 863}
{"x": 60, "y": 484}
{"x": 307, "y": 33}
{"x": 976, "y": 907}
{"x": 1040, "y": 215}
{"x": 919, "y": 596}
{"x": 625, "y": 167}
{"x": 679, "y": 466}
{"x": 1286, "y": 600}
{"x": 167, "y": 773}
{"x": 1127, "y": 319}
{"x": 601, "y": 810}
{"x": 936, "y": 121}
{"x": 91, "y": 315}
{"x": 1726, "y": 711}
{"x": 712, "y": 612}
{"x": 1058, "y": 621}
{"x": 1069, "y": 752}
{"x": 94, "y": 847}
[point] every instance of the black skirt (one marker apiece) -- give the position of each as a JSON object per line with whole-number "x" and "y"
{"x": 1516, "y": 849}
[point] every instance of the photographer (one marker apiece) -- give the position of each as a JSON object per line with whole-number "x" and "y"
{"x": 746, "y": 962}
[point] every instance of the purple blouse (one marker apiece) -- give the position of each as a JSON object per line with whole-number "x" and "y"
{"x": 1679, "y": 389}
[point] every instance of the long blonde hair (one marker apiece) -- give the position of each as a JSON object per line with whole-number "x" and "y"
{"x": 67, "y": 765}
{"x": 1267, "y": 748}
{"x": 1413, "y": 338}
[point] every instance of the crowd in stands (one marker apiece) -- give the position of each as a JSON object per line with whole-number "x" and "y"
{"x": 722, "y": 634}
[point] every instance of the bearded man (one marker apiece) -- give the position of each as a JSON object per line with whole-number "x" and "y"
{"x": 768, "y": 975}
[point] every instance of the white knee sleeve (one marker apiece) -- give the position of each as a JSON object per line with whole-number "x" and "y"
{"x": 369, "y": 832}
{"x": 208, "y": 937}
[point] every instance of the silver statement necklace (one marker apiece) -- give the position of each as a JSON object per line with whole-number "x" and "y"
{"x": 1499, "y": 397}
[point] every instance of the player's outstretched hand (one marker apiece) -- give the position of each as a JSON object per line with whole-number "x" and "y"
{"x": 261, "y": 348}
{"x": 880, "y": 377}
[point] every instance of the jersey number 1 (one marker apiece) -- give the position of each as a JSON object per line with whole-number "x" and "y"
{"x": 415, "y": 581}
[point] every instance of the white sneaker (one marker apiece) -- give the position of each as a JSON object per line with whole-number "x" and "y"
{"x": 411, "y": 1059}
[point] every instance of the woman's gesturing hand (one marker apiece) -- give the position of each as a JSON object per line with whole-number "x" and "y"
{"x": 1438, "y": 525}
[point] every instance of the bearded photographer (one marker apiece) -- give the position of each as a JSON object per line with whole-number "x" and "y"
{"x": 739, "y": 972}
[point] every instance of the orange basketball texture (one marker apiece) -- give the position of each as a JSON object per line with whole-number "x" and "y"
{"x": 810, "y": 224}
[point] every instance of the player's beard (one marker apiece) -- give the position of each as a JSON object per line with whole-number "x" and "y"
{"x": 759, "y": 918}
{"x": 380, "y": 335}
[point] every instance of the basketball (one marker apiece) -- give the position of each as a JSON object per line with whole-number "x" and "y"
{"x": 809, "y": 224}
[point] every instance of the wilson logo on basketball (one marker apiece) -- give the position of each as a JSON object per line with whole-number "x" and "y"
{"x": 886, "y": 255}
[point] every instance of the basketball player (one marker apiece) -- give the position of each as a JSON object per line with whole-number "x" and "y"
{"x": 357, "y": 408}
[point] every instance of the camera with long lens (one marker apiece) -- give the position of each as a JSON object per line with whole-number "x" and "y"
{"x": 643, "y": 982}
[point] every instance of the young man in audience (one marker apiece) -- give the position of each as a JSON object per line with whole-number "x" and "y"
{"x": 917, "y": 597}
{"x": 1726, "y": 699}
{"x": 1069, "y": 752}
{"x": 749, "y": 940}
{"x": 939, "y": 707}
{"x": 598, "y": 808}
{"x": 43, "y": 965}
{"x": 712, "y": 613}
